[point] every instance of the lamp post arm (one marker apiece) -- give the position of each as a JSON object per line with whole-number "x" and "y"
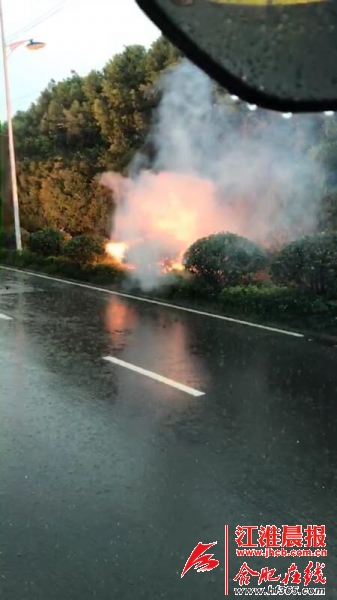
{"x": 14, "y": 45}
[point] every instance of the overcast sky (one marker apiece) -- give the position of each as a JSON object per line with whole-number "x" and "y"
{"x": 82, "y": 35}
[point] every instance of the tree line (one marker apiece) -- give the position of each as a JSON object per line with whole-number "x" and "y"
{"x": 82, "y": 126}
{"x": 78, "y": 128}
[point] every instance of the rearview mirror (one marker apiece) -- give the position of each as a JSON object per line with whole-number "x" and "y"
{"x": 277, "y": 54}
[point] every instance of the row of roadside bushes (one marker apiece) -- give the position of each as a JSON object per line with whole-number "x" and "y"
{"x": 224, "y": 272}
{"x": 52, "y": 242}
{"x": 55, "y": 253}
{"x": 295, "y": 285}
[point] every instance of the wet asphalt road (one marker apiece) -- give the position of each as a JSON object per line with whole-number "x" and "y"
{"x": 109, "y": 479}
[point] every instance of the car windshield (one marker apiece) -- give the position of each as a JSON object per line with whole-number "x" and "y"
{"x": 168, "y": 321}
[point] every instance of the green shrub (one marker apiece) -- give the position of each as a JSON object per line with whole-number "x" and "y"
{"x": 91, "y": 273}
{"x": 24, "y": 259}
{"x": 84, "y": 249}
{"x": 5, "y": 255}
{"x": 179, "y": 287}
{"x": 28, "y": 259}
{"x": 8, "y": 239}
{"x": 60, "y": 266}
{"x": 66, "y": 237}
{"x": 310, "y": 263}
{"x": 224, "y": 259}
{"x": 102, "y": 274}
{"x": 46, "y": 242}
{"x": 272, "y": 301}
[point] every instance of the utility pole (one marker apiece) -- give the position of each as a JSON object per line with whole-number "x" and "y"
{"x": 10, "y": 138}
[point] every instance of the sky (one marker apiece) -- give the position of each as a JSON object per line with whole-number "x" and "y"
{"x": 81, "y": 36}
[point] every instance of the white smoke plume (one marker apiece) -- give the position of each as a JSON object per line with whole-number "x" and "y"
{"x": 208, "y": 175}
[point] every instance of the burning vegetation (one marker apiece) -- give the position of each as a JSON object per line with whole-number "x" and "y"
{"x": 119, "y": 251}
{"x": 158, "y": 217}
{"x": 206, "y": 177}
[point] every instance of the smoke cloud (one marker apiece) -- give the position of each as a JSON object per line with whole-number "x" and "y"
{"x": 210, "y": 175}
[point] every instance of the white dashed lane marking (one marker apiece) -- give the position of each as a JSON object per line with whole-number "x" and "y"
{"x": 156, "y": 376}
{"x": 5, "y": 317}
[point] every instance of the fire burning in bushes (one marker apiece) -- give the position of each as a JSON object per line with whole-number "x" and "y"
{"x": 205, "y": 175}
{"x": 119, "y": 252}
{"x": 160, "y": 215}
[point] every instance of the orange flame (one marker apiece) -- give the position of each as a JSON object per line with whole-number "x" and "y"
{"x": 116, "y": 250}
{"x": 177, "y": 266}
{"x": 165, "y": 213}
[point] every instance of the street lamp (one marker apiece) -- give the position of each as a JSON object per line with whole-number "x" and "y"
{"x": 30, "y": 45}
{"x": 6, "y": 52}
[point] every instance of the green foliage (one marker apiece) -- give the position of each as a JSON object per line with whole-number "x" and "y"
{"x": 24, "y": 238}
{"x": 84, "y": 249}
{"x": 24, "y": 259}
{"x": 179, "y": 287}
{"x": 60, "y": 266}
{"x": 224, "y": 259}
{"x": 100, "y": 274}
{"x": 327, "y": 217}
{"x": 4, "y": 254}
{"x": 310, "y": 263}
{"x": 46, "y": 242}
{"x": 8, "y": 240}
{"x": 276, "y": 302}
{"x": 79, "y": 127}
